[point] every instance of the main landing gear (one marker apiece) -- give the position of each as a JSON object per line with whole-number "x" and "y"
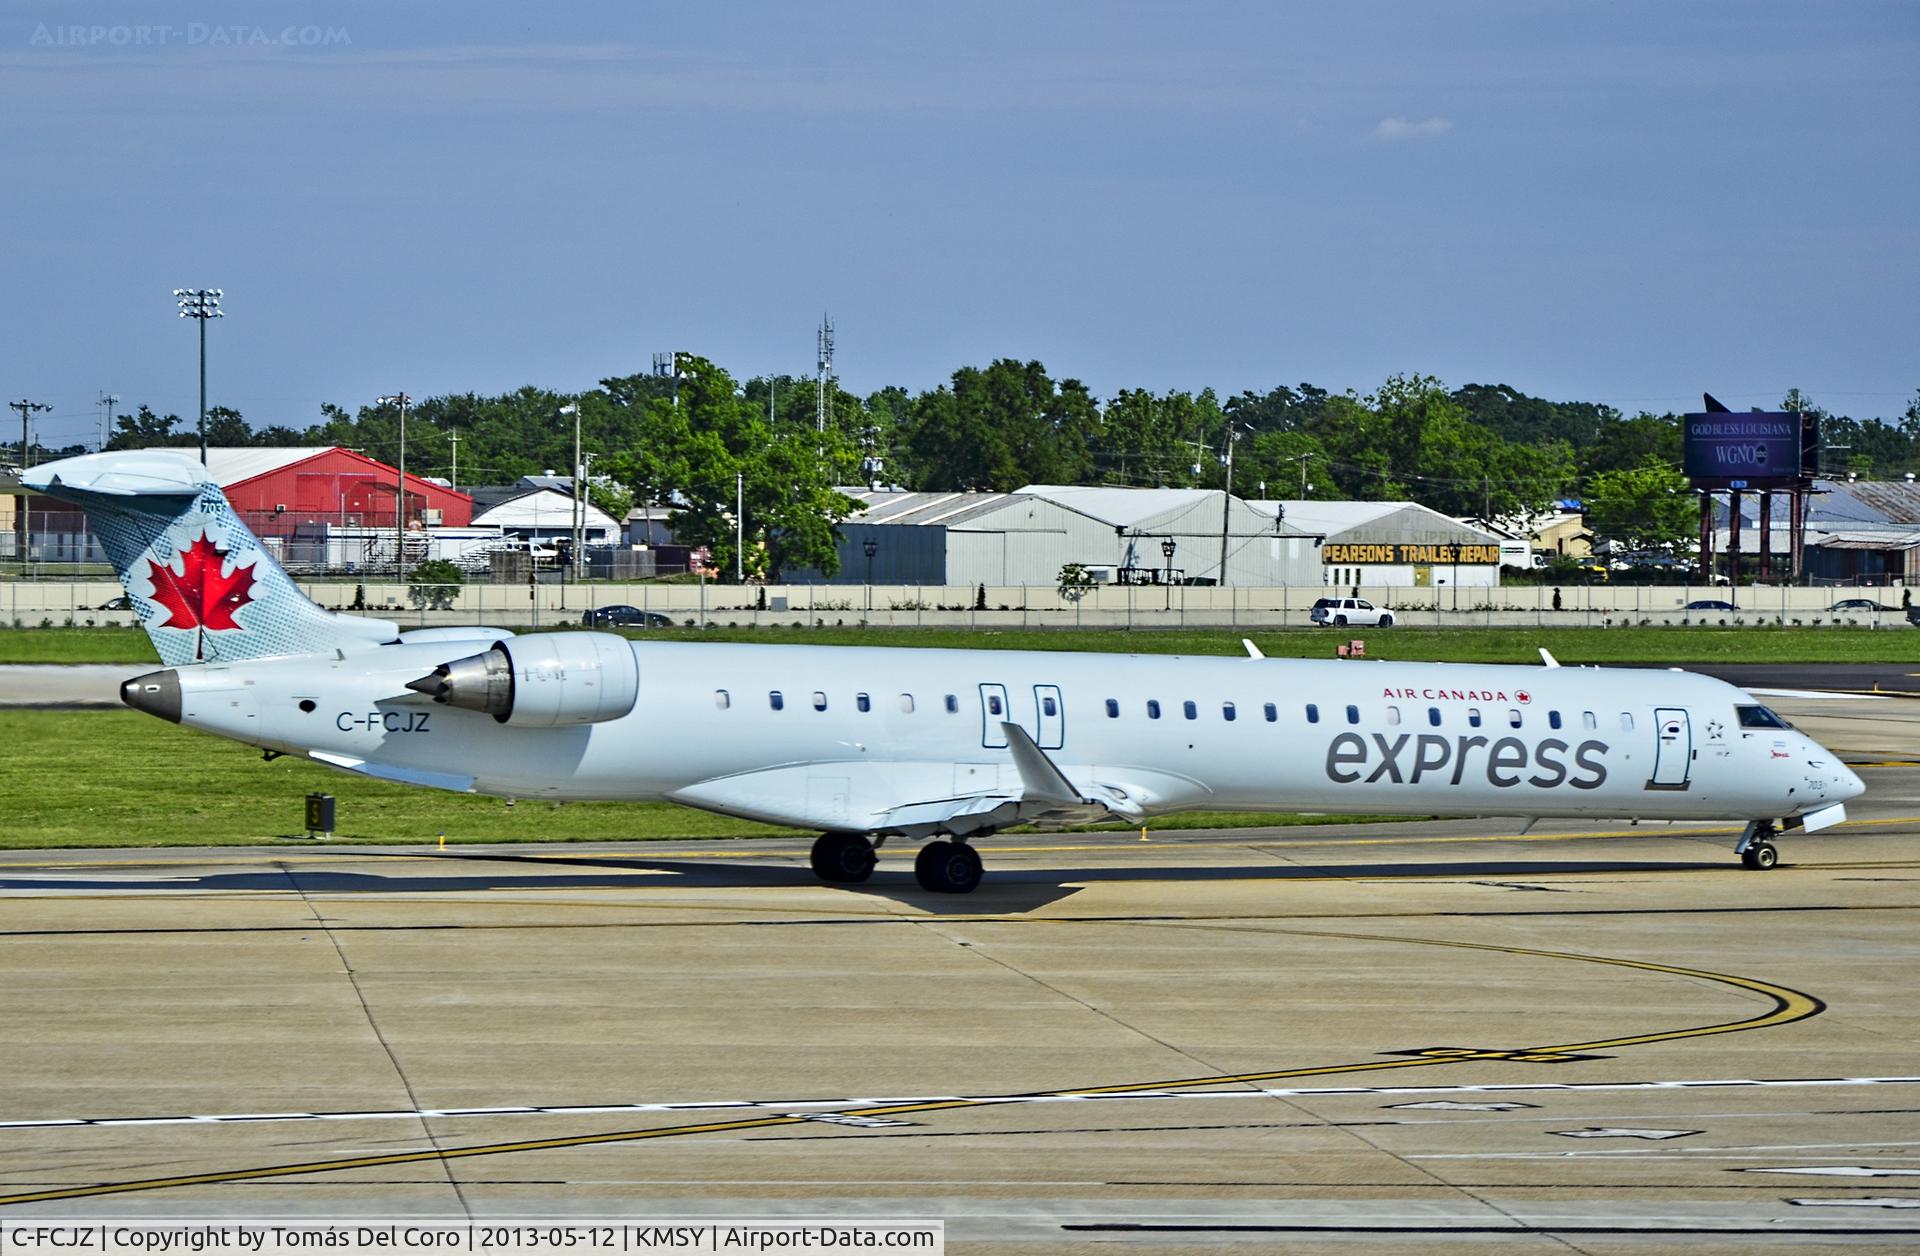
{"x": 1756, "y": 848}
{"x": 844, "y": 858}
{"x": 940, "y": 867}
{"x": 947, "y": 868}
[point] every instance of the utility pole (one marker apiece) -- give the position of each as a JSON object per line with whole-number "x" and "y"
{"x": 108, "y": 400}
{"x": 580, "y": 546}
{"x": 399, "y": 488}
{"x": 739, "y": 527}
{"x": 27, "y": 410}
{"x": 200, "y": 304}
{"x": 1226, "y": 503}
{"x": 454, "y": 478}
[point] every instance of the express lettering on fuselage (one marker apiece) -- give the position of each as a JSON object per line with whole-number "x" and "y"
{"x": 1407, "y": 759}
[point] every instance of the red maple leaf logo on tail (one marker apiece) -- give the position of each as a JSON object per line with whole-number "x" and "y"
{"x": 198, "y": 596}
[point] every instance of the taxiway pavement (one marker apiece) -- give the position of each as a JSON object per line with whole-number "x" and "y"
{"x": 1412, "y": 1035}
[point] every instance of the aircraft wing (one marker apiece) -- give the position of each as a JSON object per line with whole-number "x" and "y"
{"x": 915, "y": 800}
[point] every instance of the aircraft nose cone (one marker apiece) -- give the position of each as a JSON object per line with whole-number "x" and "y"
{"x": 1851, "y": 786}
{"x": 156, "y": 693}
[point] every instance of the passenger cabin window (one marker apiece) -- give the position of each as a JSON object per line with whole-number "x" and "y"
{"x": 953, "y": 705}
{"x": 1050, "y": 706}
{"x": 1553, "y": 719}
{"x": 819, "y": 700}
{"x": 1191, "y": 711}
{"x": 1433, "y": 716}
{"x": 993, "y": 704}
{"x": 1759, "y": 717}
{"x": 1226, "y": 711}
{"x": 1272, "y": 712}
{"x": 862, "y": 703}
{"x": 1589, "y": 721}
{"x": 1113, "y": 708}
{"x": 1473, "y": 717}
{"x": 721, "y": 699}
{"x": 906, "y": 703}
{"x": 1393, "y": 715}
{"x": 1353, "y": 715}
{"x": 1626, "y": 721}
{"x": 1313, "y": 713}
{"x": 775, "y": 701}
{"x": 1513, "y": 716}
{"x": 1153, "y": 708}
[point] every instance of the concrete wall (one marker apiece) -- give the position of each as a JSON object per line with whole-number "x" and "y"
{"x": 30, "y": 603}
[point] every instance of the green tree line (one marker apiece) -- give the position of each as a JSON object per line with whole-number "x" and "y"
{"x": 691, "y": 444}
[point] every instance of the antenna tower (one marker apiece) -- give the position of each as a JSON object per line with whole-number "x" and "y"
{"x": 824, "y": 364}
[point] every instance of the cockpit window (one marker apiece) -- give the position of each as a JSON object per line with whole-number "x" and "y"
{"x": 1759, "y": 717}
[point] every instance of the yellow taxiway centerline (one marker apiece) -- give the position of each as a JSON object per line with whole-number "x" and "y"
{"x": 1788, "y": 1005}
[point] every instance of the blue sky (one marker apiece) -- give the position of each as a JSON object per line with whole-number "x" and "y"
{"x": 1622, "y": 202}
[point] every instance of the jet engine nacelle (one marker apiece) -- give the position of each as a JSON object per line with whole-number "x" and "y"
{"x": 542, "y": 681}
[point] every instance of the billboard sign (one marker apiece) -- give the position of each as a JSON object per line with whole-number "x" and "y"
{"x": 1759, "y": 448}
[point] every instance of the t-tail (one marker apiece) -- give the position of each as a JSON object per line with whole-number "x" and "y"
{"x": 205, "y": 588}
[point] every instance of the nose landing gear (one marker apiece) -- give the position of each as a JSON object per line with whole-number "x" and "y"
{"x": 1756, "y": 848}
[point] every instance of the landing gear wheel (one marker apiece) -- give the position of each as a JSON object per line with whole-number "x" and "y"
{"x": 844, "y": 858}
{"x": 1760, "y": 856}
{"x": 947, "y": 868}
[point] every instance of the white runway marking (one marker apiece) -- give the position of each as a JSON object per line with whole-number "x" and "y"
{"x": 876, "y": 1101}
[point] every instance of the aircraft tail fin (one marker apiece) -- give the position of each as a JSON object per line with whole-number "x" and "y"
{"x": 205, "y": 588}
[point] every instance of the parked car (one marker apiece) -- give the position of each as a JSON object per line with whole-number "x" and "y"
{"x": 1345, "y": 611}
{"x": 624, "y": 617}
{"x": 1711, "y": 604}
{"x": 1858, "y": 604}
{"x": 122, "y": 603}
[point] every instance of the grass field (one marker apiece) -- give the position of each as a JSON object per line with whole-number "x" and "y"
{"x": 118, "y": 778}
{"x": 1450, "y": 645}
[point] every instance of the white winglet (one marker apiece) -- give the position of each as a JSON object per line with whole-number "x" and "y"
{"x": 1253, "y": 651}
{"x": 1547, "y": 658}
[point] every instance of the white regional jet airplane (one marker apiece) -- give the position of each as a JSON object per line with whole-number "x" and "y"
{"x": 867, "y": 744}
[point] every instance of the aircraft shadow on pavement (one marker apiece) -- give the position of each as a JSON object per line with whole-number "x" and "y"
{"x": 1008, "y": 889}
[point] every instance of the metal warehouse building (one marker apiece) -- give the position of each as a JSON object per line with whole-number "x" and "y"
{"x": 1400, "y": 545}
{"x": 1025, "y": 538}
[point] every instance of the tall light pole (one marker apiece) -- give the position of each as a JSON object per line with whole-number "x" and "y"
{"x": 399, "y": 488}
{"x": 27, "y": 410}
{"x": 870, "y": 547}
{"x": 573, "y": 559}
{"x": 1166, "y": 548}
{"x": 200, "y": 304}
